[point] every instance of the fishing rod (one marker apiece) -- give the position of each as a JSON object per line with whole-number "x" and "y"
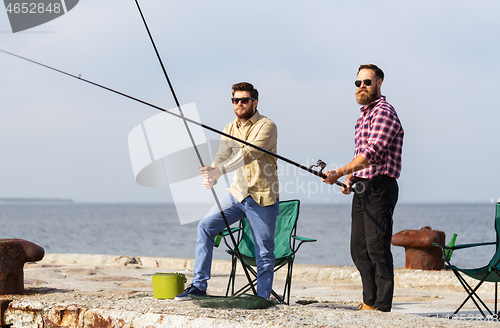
{"x": 309, "y": 169}
{"x": 200, "y": 159}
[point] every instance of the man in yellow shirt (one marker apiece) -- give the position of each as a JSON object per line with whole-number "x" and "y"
{"x": 254, "y": 193}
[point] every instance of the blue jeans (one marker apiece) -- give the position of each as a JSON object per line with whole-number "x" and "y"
{"x": 262, "y": 220}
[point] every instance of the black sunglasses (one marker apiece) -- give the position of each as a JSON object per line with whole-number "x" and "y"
{"x": 367, "y": 82}
{"x": 243, "y": 100}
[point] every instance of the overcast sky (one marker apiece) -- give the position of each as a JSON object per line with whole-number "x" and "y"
{"x": 62, "y": 138}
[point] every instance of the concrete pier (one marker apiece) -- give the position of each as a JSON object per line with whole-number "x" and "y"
{"x": 83, "y": 291}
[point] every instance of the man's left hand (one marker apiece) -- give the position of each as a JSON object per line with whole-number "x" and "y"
{"x": 331, "y": 177}
{"x": 210, "y": 175}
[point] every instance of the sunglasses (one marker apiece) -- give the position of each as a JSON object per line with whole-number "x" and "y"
{"x": 243, "y": 100}
{"x": 367, "y": 82}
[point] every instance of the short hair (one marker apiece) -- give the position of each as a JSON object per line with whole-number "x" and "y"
{"x": 378, "y": 72}
{"x": 245, "y": 86}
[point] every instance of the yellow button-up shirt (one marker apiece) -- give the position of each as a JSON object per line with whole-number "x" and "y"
{"x": 256, "y": 172}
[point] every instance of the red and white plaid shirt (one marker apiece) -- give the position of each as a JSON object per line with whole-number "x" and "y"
{"x": 379, "y": 138}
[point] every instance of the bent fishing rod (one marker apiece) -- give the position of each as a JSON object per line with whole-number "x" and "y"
{"x": 309, "y": 169}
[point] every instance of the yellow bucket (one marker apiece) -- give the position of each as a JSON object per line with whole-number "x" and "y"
{"x": 168, "y": 285}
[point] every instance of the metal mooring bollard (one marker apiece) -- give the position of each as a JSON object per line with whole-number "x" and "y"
{"x": 420, "y": 254}
{"x": 13, "y": 254}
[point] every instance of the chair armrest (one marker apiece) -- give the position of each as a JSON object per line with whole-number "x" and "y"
{"x": 454, "y": 247}
{"x": 446, "y": 249}
{"x": 225, "y": 232}
{"x": 304, "y": 239}
{"x": 301, "y": 241}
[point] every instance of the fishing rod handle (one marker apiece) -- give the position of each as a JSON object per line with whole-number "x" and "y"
{"x": 340, "y": 184}
{"x": 324, "y": 176}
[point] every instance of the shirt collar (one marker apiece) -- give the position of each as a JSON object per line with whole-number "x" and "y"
{"x": 368, "y": 107}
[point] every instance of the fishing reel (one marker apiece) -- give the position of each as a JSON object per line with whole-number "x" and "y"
{"x": 320, "y": 173}
{"x": 319, "y": 164}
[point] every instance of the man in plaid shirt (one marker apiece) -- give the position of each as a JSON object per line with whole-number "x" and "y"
{"x": 374, "y": 170}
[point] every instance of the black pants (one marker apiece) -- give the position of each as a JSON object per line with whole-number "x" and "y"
{"x": 371, "y": 232}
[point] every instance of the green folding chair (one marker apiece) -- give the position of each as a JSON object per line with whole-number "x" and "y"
{"x": 286, "y": 244}
{"x": 490, "y": 272}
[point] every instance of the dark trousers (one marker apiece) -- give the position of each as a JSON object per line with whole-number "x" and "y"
{"x": 371, "y": 232}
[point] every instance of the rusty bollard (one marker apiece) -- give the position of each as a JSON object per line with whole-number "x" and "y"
{"x": 420, "y": 254}
{"x": 13, "y": 254}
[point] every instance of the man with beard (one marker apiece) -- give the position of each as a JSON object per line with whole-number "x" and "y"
{"x": 253, "y": 194}
{"x": 374, "y": 169}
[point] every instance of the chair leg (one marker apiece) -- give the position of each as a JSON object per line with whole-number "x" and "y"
{"x": 496, "y": 297}
{"x": 247, "y": 287}
{"x": 472, "y": 293}
{"x": 285, "y": 299}
{"x": 287, "y": 288}
{"x": 288, "y": 285}
{"x": 232, "y": 276}
{"x": 280, "y": 299}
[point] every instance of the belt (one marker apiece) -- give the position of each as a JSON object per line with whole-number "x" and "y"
{"x": 378, "y": 177}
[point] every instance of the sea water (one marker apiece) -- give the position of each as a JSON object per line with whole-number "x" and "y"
{"x": 154, "y": 230}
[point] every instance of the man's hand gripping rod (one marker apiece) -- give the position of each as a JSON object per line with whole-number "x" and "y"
{"x": 320, "y": 173}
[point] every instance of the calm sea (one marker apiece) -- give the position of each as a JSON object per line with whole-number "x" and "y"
{"x": 153, "y": 229}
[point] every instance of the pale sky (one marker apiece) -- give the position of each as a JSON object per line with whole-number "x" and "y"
{"x": 62, "y": 138}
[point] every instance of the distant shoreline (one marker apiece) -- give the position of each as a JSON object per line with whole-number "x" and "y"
{"x": 18, "y": 200}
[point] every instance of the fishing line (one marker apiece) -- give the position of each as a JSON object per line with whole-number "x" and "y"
{"x": 308, "y": 169}
{"x": 185, "y": 119}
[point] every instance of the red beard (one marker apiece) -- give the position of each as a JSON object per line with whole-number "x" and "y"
{"x": 365, "y": 98}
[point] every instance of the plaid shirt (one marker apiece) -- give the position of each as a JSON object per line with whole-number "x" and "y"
{"x": 379, "y": 138}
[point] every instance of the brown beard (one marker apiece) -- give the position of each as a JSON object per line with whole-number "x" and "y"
{"x": 245, "y": 115}
{"x": 366, "y": 98}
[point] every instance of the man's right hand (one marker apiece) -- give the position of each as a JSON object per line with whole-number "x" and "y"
{"x": 348, "y": 183}
{"x": 210, "y": 175}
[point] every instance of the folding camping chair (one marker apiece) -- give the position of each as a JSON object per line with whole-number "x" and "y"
{"x": 490, "y": 272}
{"x": 285, "y": 247}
